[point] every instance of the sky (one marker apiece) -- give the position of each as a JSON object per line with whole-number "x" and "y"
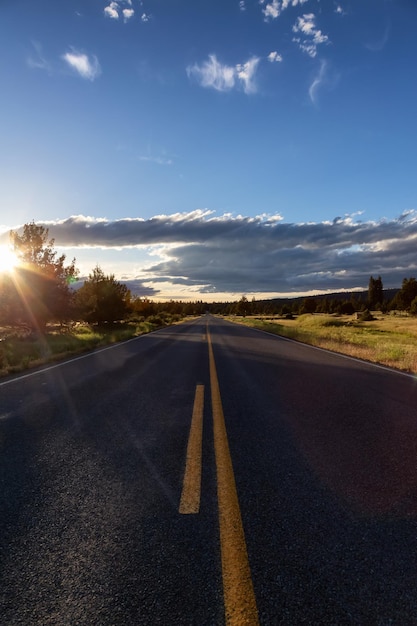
{"x": 207, "y": 150}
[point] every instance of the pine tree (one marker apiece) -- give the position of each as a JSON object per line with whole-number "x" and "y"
{"x": 375, "y": 292}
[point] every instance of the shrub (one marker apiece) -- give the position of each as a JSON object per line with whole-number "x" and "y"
{"x": 366, "y": 316}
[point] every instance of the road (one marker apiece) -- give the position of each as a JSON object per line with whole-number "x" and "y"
{"x": 208, "y": 474}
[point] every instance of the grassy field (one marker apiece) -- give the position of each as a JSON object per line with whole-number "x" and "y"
{"x": 19, "y": 351}
{"x": 390, "y": 339}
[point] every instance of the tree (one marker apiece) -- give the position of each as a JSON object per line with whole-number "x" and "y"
{"x": 41, "y": 281}
{"x": 413, "y": 307}
{"x": 102, "y": 298}
{"x": 9, "y": 302}
{"x": 406, "y": 295}
{"x": 309, "y": 306}
{"x": 375, "y": 292}
{"x": 323, "y": 306}
{"x": 346, "y": 308}
{"x": 242, "y": 307}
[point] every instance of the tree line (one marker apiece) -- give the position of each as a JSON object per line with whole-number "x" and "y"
{"x": 375, "y": 299}
{"x": 41, "y": 290}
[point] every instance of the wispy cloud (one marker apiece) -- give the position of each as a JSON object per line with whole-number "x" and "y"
{"x": 326, "y": 77}
{"x": 37, "y": 60}
{"x": 246, "y": 74}
{"x": 311, "y": 35}
{"x": 84, "y": 65}
{"x": 157, "y": 160}
{"x": 215, "y": 75}
{"x": 379, "y": 44}
{"x": 255, "y": 254}
{"x": 317, "y": 82}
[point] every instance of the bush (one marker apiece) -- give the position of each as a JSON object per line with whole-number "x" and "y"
{"x": 157, "y": 320}
{"x": 366, "y": 316}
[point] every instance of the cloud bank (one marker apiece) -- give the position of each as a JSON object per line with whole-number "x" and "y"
{"x": 263, "y": 254}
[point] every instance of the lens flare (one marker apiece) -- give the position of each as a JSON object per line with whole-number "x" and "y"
{"x": 8, "y": 259}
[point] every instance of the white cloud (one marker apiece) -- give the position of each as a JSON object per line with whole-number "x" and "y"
{"x": 128, "y": 14}
{"x": 214, "y": 75}
{"x": 272, "y": 10}
{"x": 145, "y": 17}
{"x": 292, "y": 3}
{"x": 242, "y": 5}
{"x": 112, "y": 11}
{"x": 306, "y": 25}
{"x": 274, "y": 57}
{"x": 246, "y": 73}
{"x": 339, "y": 10}
{"x": 119, "y": 8}
{"x": 87, "y": 67}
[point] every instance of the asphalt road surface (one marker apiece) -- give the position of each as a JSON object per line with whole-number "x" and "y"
{"x": 208, "y": 474}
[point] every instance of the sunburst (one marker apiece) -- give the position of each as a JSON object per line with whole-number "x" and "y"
{"x": 8, "y": 260}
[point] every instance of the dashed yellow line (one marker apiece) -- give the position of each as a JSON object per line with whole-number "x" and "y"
{"x": 190, "y": 496}
{"x": 239, "y": 596}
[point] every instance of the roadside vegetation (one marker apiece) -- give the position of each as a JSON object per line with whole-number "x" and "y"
{"x": 389, "y": 339}
{"x": 21, "y": 349}
{"x": 46, "y": 315}
{"x": 47, "y": 312}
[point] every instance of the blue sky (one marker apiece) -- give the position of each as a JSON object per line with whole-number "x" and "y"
{"x": 207, "y": 150}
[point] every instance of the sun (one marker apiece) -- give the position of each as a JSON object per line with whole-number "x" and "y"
{"x": 8, "y": 260}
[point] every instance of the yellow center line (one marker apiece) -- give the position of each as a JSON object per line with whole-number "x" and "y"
{"x": 190, "y": 496}
{"x": 239, "y": 596}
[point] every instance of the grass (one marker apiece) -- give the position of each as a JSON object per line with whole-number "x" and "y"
{"x": 19, "y": 351}
{"x": 390, "y": 340}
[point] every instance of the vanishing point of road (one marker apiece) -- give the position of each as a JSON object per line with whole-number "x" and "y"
{"x": 208, "y": 474}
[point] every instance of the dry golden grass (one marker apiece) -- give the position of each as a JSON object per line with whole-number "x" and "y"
{"x": 390, "y": 340}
